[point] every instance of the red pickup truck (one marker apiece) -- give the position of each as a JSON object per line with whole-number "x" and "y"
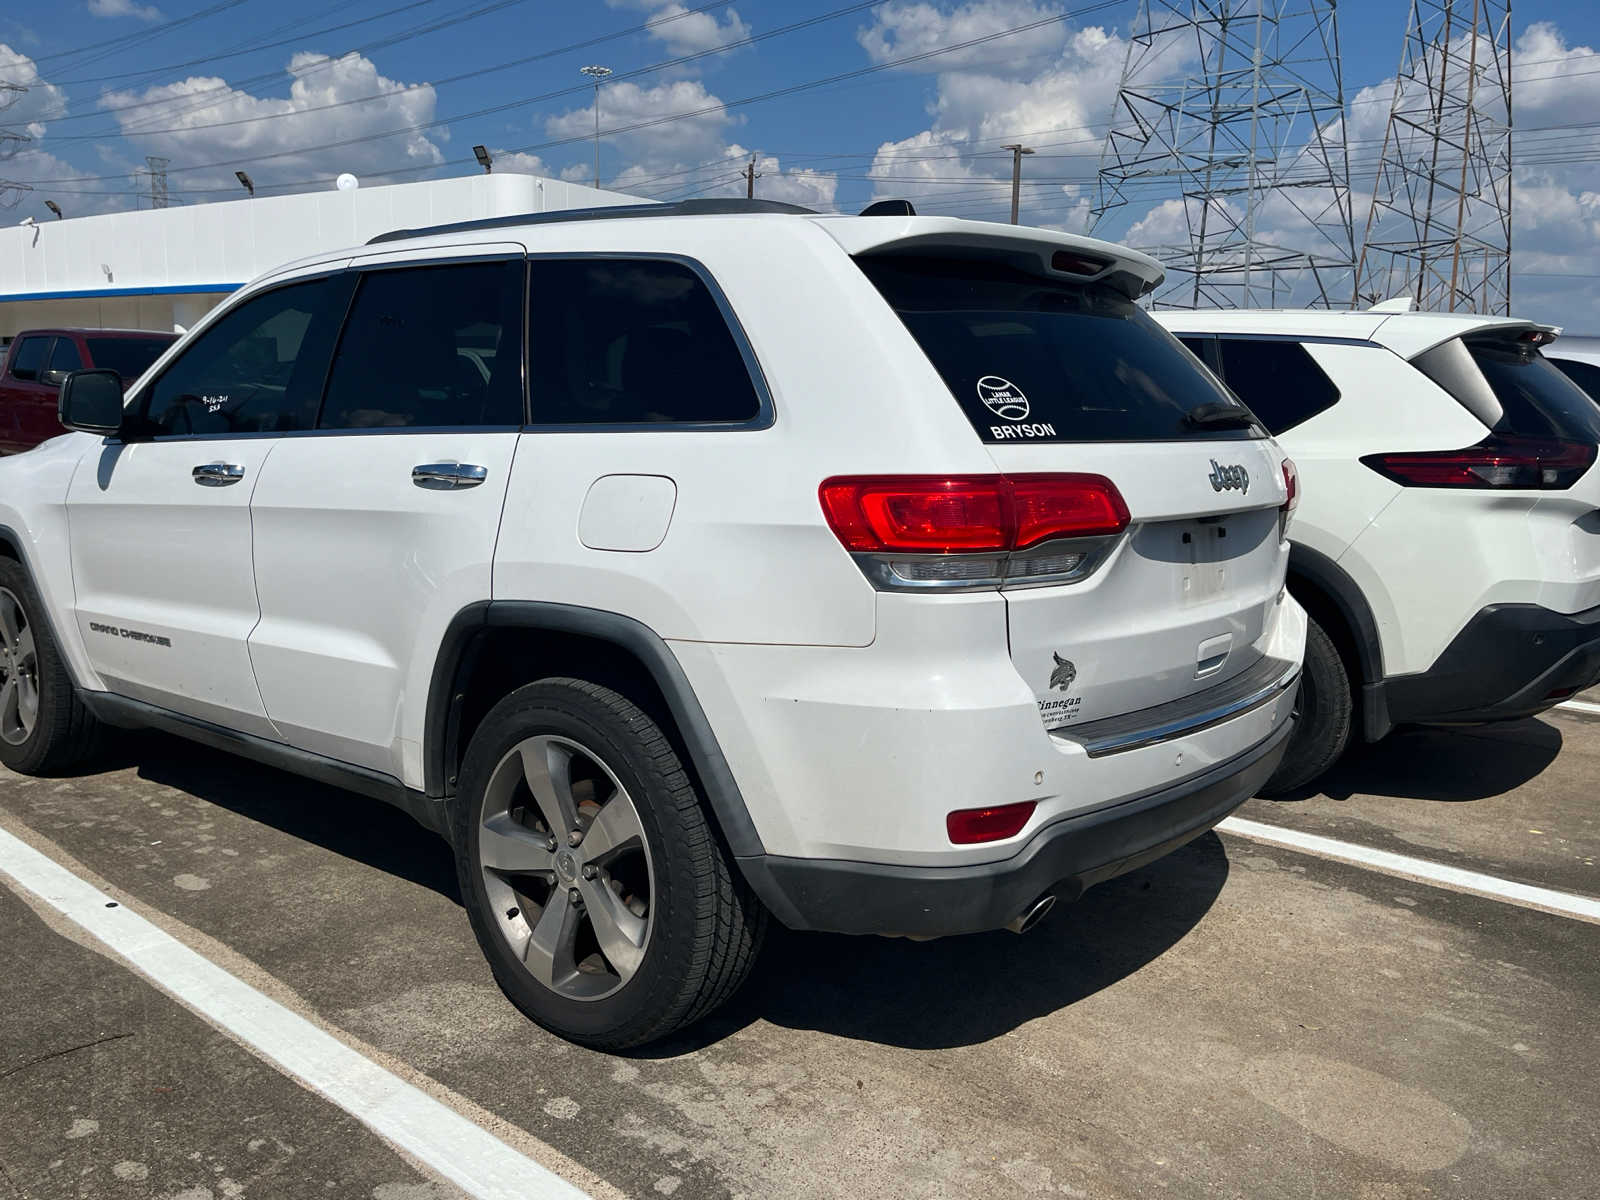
{"x": 39, "y": 359}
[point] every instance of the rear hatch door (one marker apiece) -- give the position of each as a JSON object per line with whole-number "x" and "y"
{"x": 1056, "y": 374}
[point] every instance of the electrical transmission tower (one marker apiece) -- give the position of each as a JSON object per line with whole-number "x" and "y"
{"x": 157, "y": 170}
{"x": 1440, "y": 225}
{"x": 1229, "y": 123}
{"x": 11, "y": 142}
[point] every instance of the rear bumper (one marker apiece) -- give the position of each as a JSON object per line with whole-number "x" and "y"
{"x": 1510, "y": 661}
{"x": 1064, "y": 857}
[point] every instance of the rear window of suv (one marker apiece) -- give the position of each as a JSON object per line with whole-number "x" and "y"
{"x": 1038, "y": 359}
{"x": 1513, "y": 389}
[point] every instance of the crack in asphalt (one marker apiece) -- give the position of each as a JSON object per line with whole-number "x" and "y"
{"x": 33, "y": 1062}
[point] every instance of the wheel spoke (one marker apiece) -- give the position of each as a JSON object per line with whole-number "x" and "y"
{"x": 620, "y": 934}
{"x": 547, "y": 766}
{"x": 10, "y": 698}
{"x": 9, "y": 612}
{"x": 615, "y": 828}
{"x": 27, "y": 703}
{"x": 507, "y": 846}
{"x": 549, "y": 955}
{"x": 24, "y": 647}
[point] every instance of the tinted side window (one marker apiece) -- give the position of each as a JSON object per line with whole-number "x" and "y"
{"x": 625, "y": 341}
{"x": 1204, "y": 348}
{"x": 1585, "y": 375}
{"x": 259, "y": 369}
{"x": 29, "y": 358}
{"x": 1279, "y": 381}
{"x": 64, "y": 357}
{"x": 430, "y": 346}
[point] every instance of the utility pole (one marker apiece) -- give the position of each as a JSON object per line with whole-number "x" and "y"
{"x": 1249, "y": 140}
{"x": 1017, "y": 151}
{"x": 1439, "y": 229}
{"x": 11, "y": 142}
{"x": 750, "y": 177}
{"x": 598, "y": 74}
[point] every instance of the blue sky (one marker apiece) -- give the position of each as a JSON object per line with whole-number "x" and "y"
{"x": 249, "y": 83}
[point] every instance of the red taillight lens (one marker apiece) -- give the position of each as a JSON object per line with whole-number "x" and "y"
{"x": 967, "y": 826}
{"x": 1499, "y": 461}
{"x": 1291, "y": 485}
{"x": 924, "y": 514}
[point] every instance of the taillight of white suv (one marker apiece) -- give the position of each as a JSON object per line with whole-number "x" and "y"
{"x": 922, "y": 532}
{"x": 1501, "y": 460}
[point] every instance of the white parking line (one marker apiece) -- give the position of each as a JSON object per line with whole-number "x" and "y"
{"x": 1582, "y": 706}
{"x": 1423, "y": 871}
{"x": 431, "y": 1132}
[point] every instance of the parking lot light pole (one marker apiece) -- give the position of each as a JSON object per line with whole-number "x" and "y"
{"x": 1017, "y": 151}
{"x": 598, "y": 74}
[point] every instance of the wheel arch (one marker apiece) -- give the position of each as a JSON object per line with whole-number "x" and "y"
{"x": 491, "y": 647}
{"x": 1335, "y": 601}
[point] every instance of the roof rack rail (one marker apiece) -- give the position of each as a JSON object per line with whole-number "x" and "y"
{"x": 682, "y": 208}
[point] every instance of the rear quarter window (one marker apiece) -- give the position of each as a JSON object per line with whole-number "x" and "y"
{"x": 1512, "y": 388}
{"x": 1033, "y": 359}
{"x": 1278, "y": 380}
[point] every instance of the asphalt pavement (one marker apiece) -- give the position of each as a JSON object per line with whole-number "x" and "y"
{"x": 1235, "y": 1020}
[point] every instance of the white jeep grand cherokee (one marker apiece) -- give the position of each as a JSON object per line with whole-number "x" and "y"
{"x": 682, "y": 565}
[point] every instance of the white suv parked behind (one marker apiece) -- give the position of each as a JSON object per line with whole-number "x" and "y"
{"x": 1448, "y": 548}
{"x": 682, "y": 565}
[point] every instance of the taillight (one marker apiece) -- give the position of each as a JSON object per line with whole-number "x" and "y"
{"x": 968, "y": 826}
{"x": 926, "y": 531}
{"x": 1499, "y": 461}
{"x": 1291, "y": 497}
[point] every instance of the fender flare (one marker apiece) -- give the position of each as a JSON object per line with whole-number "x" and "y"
{"x": 13, "y": 541}
{"x": 1316, "y": 570}
{"x": 457, "y": 650}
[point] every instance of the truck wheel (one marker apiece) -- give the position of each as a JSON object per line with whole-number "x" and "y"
{"x": 44, "y": 727}
{"x": 597, "y": 888}
{"x": 1323, "y": 715}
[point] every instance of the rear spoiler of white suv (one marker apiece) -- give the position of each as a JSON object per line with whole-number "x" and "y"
{"x": 1042, "y": 252}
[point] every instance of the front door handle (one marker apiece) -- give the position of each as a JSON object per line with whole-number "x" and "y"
{"x": 218, "y": 474}
{"x": 448, "y": 476}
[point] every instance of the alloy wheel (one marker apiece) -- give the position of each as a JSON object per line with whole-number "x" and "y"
{"x": 567, "y": 867}
{"x": 19, "y": 672}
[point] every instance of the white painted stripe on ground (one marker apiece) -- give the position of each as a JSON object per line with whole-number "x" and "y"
{"x": 1419, "y": 869}
{"x": 408, "y": 1118}
{"x": 1583, "y": 706}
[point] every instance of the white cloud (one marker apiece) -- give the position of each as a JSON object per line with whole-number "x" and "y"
{"x": 192, "y": 115}
{"x": 1058, "y": 106}
{"x": 40, "y": 103}
{"x": 124, "y": 8}
{"x": 626, "y": 104}
{"x": 684, "y": 31}
{"x": 515, "y": 162}
{"x": 901, "y": 30}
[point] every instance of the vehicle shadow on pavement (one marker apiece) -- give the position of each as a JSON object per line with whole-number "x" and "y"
{"x": 962, "y": 991}
{"x": 347, "y": 823}
{"x": 1447, "y": 765}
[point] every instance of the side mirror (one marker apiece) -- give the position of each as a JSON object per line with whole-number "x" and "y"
{"x": 91, "y": 401}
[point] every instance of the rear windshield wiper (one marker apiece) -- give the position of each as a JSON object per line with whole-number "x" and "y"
{"x": 1219, "y": 414}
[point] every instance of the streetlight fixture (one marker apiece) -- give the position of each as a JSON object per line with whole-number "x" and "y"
{"x": 245, "y": 182}
{"x": 481, "y": 153}
{"x": 53, "y": 207}
{"x": 598, "y": 74}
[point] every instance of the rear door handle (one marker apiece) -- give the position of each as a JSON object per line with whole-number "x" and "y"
{"x": 218, "y": 474}
{"x": 448, "y": 476}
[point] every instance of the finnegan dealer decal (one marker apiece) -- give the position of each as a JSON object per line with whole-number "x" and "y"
{"x": 1005, "y": 400}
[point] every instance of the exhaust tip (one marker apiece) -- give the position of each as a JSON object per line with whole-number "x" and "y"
{"x": 1033, "y": 914}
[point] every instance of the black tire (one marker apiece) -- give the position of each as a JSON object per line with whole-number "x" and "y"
{"x": 63, "y": 733}
{"x": 705, "y": 925}
{"x": 1325, "y": 714}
